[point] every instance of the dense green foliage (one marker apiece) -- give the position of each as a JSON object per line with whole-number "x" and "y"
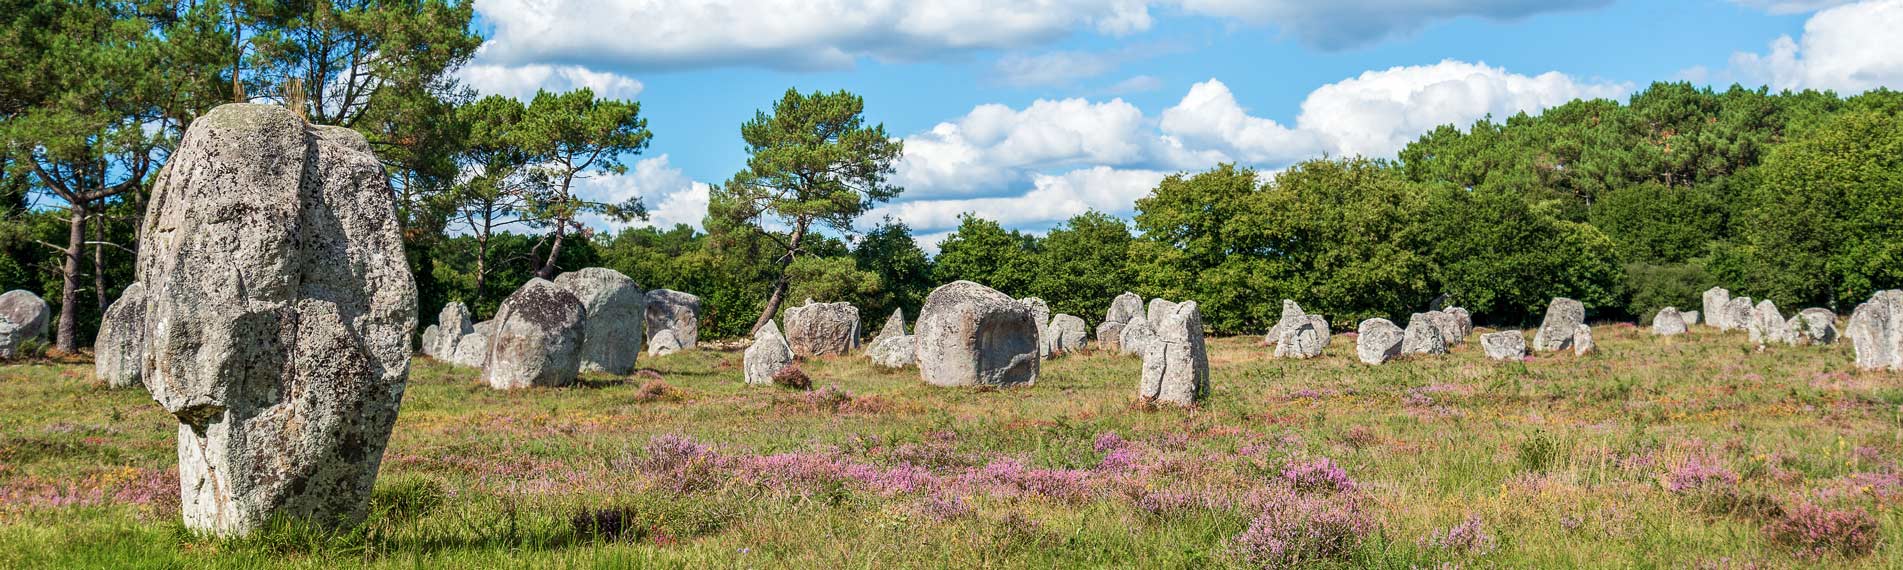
{"x": 1627, "y": 206}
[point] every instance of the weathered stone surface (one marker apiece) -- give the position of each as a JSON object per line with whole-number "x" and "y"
{"x": 1875, "y": 330}
{"x": 432, "y": 336}
{"x": 1041, "y": 312}
{"x": 487, "y": 328}
{"x": 1125, "y": 308}
{"x": 451, "y": 324}
{"x": 1135, "y": 337}
{"x": 1159, "y": 309}
{"x": 1109, "y": 337}
{"x": 538, "y": 338}
{"x": 894, "y": 352}
{"x": 1303, "y": 337}
{"x": 1423, "y": 336}
{"x": 614, "y": 318}
{"x": 280, "y": 310}
{"x": 1563, "y": 317}
{"x": 1448, "y": 326}
{"x": 1504, "y": 345}
{"x": 1690, "y": 317}
{"x": 1734, "y": 315}
{"x": 120, "y": 347}
{"x": 1817, "y": 325}
{"x": 822, "y": 329}
{"x": 969, "y": 334}
{"x": 670, "y": 310}
{"x": 1768, "y": 326}
{"x": 23, "y": 316}
{"x": 1463, "y": 323}
{"x": 1291, "y": 314}
{"x": 1066, "y": 334}
{"x": 471, "y": 351}
{"x": 1715, "y": 300}
{"x": 1176, "y": 365}
{"x": 1668, "y": 322}
{"x": 770, "y": 352}
{"x": 1582, "y": 340}
{"x": 664, "y": 344}
{"x": 894, "y": 326}
{"x": 1378, "y": 341}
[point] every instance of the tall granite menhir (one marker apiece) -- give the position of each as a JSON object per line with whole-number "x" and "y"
{"x": 279, "y": 310}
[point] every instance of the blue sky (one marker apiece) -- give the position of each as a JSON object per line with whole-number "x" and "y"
{"x": 1032, "y": 111}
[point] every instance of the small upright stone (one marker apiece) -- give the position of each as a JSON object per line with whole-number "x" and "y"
{"x": 1159, "y": 309}
{"x": 451, "y": 324}
{"x": 1582, "y": 340}
{"x": 664, "y": 344}
{"x": 1668, "y": 322}
{"x": 1504, "y": 345}
{"x": 1176, "y": 365}
{"x": 1378, "y": 341}
{"x": 1448, "y": 326}
{"x": 23, "y": 316}
{"x": 893, "y": 353}
{"x": 1291, "y": 312}
{"x": 615, "y": 312}
{"x": 1066, "y": 333}
{"x": 1768, "y": 326}
{"x": 769, "y": 353}
{"x": 822, "y": 329}
{"x": 1563, "y": 317}
{"x": 1734, "y": 315}
{"x": 1715, "y": 300}
{"x": 1125, "y": 308}
{"x": 1040, "y": 311}
{"x": 1305, "y": 337}
{"x": 672, "y": 310}
{"x": 432, "y": 336}
{"x": 1463, "y": 322}
{"x": 1109, "y": 337}
{"x": 121, "y": 344}
{"x": 1136, "y": 337}
{"x": 471, "y": 351}
{"x": 894, "y": 326}
{"x": 1875, "y": 330}
{"x": 538, "y": 338}
{"x": 1819, "y": 325}
{"x": 969, "y": 334}
{"x": 1422, "y": 336}
{"x": 1690, "y": 317}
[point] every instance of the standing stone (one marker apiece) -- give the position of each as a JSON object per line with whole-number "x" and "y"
{"x": 1818, "y": 325}
{"x": 1305, "y": 337}
{"x": 1463, "y": 323}
{"x": 1797, "y": 332}
{"x": 1109, "y": 337}
{"x": 1125, "y": 308}
{"x": 1504, "y": 345}
{"x": 1563, "y": 317}
{"x": 1159, "y": 310}
{"x": 1690, "y": 317}
{"x": 1176, "y": 366}
{"x": 1378, "y": 341}
{"x": 1768, "y": 326}
{"x": 471, "y": 351}
{"x": 121, "y": 343}
{"x": 894, "y": 326}
{"x": 769, "y": 353}
{"x": 1136, "y": 337}
{"x": 280, "y": 310}
{"x": 451, "y": 324}
{"x": 486, "y": 327}
{"x": 1668, "y": 322}
{"x": 1734, "y": 315}
{"x": 1291, "y": 315}
{"x": 1582, "y": 340}
{"x": 822, "y": 329}
{"x": 431, "y": 337}
{"x": 670, "y": 310}
{"x": 893, "y": 353}
{"x": 1042, "y": 312}
{"x": 614, "y": 313}
{"x": 1875, "y": 330}
{"x": 538, "y": 338}
{"x": 1448, "y": 326}
{"x": 664, "y": 344}
{"x": 1715, "y": 300}
{"x": 23, "y": 316}
{"x": 1423, "y": 336}
{"x": 970, "y": 334}
{"x": 1067, "y": 334}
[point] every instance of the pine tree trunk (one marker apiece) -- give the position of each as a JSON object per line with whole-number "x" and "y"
{"x": 548, "y": 266}
{"x": 67, "y": 337}
{"x": 778, "y": 297}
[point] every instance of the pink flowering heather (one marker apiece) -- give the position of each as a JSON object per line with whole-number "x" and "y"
{"x": 1700, "y": 476}
{"x": 1294, "y": 531}
{"x": 1816, "y": 531}
{"x": 1469, "y": 537}
{"x": 1321, "y": 475}
{"x": 1108, "y": 441}
{"x": 942, "y": 507}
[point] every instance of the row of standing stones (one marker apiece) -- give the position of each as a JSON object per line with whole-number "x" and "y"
{"x": 273, "y": 312}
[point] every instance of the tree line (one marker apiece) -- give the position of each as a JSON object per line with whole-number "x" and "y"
{"x": 1627, "y": 206}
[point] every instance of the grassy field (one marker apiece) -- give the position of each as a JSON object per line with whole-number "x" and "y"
{"x": 1691, "y": 452}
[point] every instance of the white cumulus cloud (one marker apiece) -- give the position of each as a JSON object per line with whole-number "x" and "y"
{"x": 1850, "y": 49}
{"x": 1378, "y": 112}
{"x": 669, "y": 194}
{"x": 522, "y": 81}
